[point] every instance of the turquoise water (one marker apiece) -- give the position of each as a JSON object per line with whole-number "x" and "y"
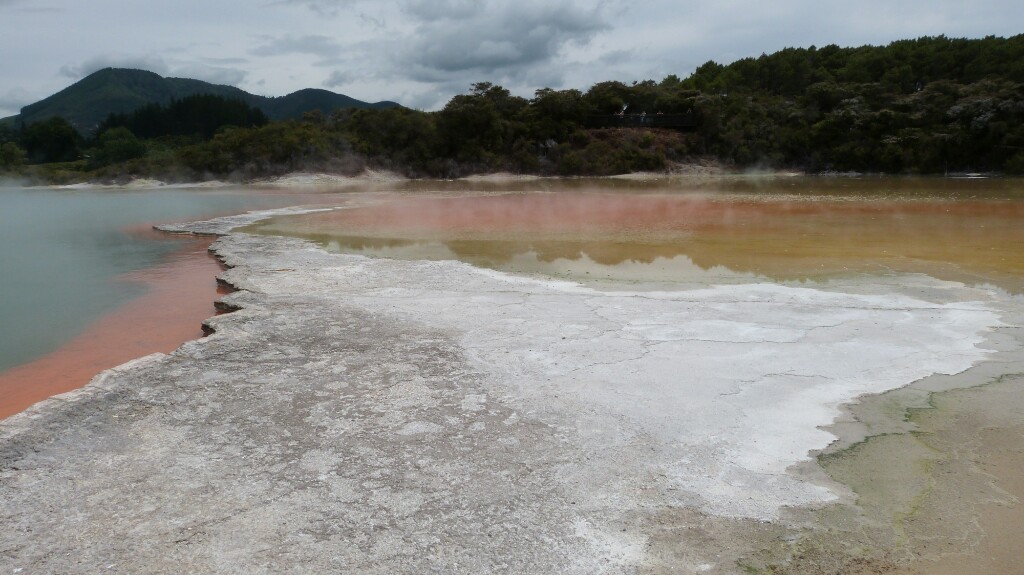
{"x": 61, "y": 252}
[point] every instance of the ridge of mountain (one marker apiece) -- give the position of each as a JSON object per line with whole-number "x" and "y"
{"x": 90, "y": 100}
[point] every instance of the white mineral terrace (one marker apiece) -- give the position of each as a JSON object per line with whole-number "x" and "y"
{"x": 723, "y": 388}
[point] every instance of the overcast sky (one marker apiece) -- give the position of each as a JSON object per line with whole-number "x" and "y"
{"x": 422, "y": 52}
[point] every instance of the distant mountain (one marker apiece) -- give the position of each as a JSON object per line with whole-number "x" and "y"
{"x": 118, "y": 90}
{"x": 297, "y": 103}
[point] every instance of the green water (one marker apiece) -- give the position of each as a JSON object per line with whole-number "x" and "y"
{"x": 61, "y": 252}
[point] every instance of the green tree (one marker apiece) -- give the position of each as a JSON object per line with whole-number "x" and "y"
{"x": 7, "y": 132}
{"x": 116, "y": 145}
{"x": 555, "y": 114}
{"x": 395, "y": 135}
{"x": 475, "y": 127}
{"x": 53, "y": 140}
{"x": 607, "y": 97}
{"x": 200, "y": 115}
{"x": 1015, "y": 165}
{"x": 12, "y": 157}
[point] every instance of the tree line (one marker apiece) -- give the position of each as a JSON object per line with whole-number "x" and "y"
{"x": 930, "y": 105}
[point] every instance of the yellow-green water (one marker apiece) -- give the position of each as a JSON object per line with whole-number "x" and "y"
{"x": 692, "y": 232}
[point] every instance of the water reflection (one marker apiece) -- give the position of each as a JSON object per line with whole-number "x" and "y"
{"x": 795, "y": 229}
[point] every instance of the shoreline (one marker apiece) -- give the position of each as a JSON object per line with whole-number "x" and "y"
{"x": 252, "y": 306}
{"x": 694, "y": 171}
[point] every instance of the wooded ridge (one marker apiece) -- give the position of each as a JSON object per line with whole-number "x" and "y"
{"x": 932, "y": 105}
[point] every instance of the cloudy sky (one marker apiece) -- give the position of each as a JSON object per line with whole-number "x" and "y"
{"x": 422, "y": 52}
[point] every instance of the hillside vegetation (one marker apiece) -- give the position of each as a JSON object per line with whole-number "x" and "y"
{"x": 930, "y": 106}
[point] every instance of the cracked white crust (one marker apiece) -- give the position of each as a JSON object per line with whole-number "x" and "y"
{"x": 725, "y": 387}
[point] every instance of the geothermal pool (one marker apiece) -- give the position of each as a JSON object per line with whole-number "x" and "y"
{"x": 569, "y": 376}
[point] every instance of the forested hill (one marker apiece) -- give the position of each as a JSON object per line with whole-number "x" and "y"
{"x": 932, "y": 105}
{"x": 904, "y": 66}
{"x": 928, "y": 105}
{"x": 118, "y": 91}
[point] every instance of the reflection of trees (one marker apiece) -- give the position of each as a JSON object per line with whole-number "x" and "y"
{"x": 778, "y": 255}
{"x": 797, "y": 239}
{"x": 603, "y": 253}
{"x": 359, "y": 243}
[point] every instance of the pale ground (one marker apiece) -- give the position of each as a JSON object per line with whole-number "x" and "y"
{"x": 319, "y": 180}
{"x": 296, "y": 180}
{"x": 380, "y": 416}
{"x": 699, "y": 169}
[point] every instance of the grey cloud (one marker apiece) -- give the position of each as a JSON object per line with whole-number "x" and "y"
{"x": 200, "y": 70}
{"x": 372, "y": 21}
{"x": 519, "y": 45}
{"x": 151, "y": 63}
{"x": 13, "y": 100}
{"x": 225, "y": 61}
{"x": 498, "y": 38}
{"x": 430, "y": 10}
{"x": 337, "y": 78}
{"x": 212, "y": 74}
{"x": 325, "y": 47}
{"x": 434, "y": 96}
{"x": 617, "y": 57}
{"x": 334, "y": 8}
{"x": 17, "y": 8}
{"x": 322, "y": 7}
{"x": 430, "y": 100}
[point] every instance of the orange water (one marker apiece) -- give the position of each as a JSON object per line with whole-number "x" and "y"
{"x": 179, "y": 296}
{"x": 776, "y": 235}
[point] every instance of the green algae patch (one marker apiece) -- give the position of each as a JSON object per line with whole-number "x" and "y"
{"x": 944, "y": 498}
